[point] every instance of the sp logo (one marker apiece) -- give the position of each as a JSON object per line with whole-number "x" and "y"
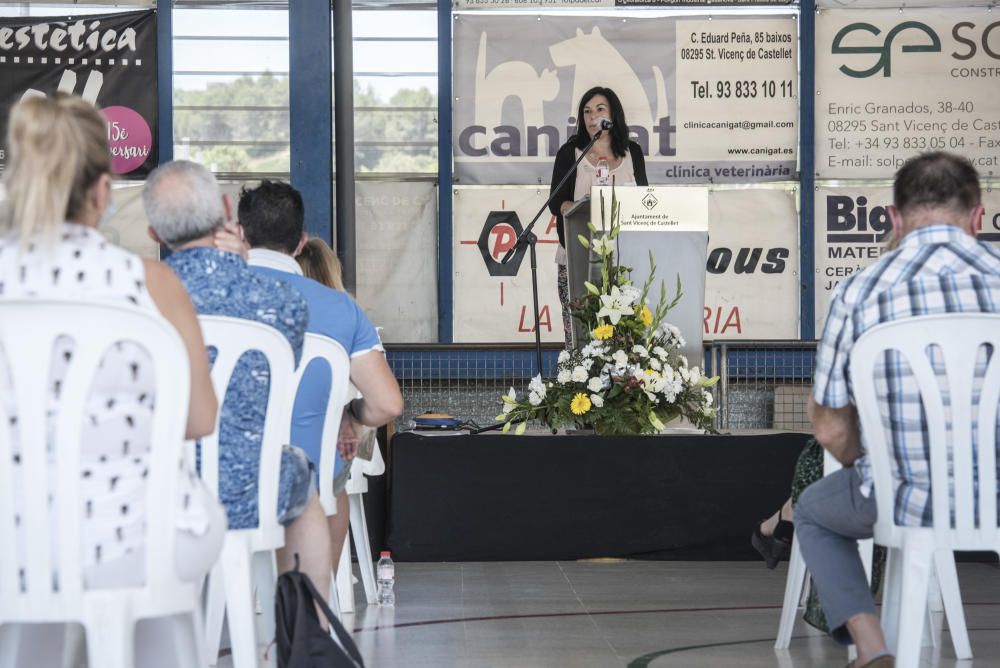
{"x": 500, "y": 231}
{"x": 884, "y": 50}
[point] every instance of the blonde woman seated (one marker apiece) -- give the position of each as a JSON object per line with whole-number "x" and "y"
{"x": 58, "y": 183}
{"x": 320, "y": 263}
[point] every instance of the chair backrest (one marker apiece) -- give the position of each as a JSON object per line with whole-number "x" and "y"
{"x": 232, "y": 338}
{"x": 29, "y": 330}
{"x": 324, "y": 348}
{"x": 948, "y": 398}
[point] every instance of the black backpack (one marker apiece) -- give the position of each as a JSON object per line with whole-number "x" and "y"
{"x": 301, "y": 641}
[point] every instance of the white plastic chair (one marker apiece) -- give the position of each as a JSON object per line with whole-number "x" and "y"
{"x": 357, "y": 486}
{"x": 798, "y": 574}
{"x": 28, "y": 331}
{"x": 319, "y": 347}
{"x": 247, "y": 561}
{"x": 958, "y": 339}
{"x": 795, "y": 590}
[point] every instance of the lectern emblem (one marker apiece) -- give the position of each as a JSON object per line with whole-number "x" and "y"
{"x": 649, "y": 201}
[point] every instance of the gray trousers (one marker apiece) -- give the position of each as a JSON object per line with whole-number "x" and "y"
{"x": 830, "y": 517}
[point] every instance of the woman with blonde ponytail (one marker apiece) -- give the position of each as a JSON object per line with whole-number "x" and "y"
{"x": 58, "y": 187}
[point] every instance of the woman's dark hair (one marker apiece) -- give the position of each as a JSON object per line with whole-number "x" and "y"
{"x": 619, "y": 129}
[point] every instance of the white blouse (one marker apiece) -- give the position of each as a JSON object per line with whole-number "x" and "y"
{"x": 586, "y": 178}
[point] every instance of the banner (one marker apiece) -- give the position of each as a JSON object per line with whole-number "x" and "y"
{"x": 397, "y": 258}
{"x": 127, "y": 226}
{"x": 492, "y": 302}
{"x": 895, "y": 83}
{"x": 852, "y": 226}
{"x": 752, "y": 283}
{"x": 752, "y": 289}
{"x": 108, "y": 59}
{"x": 707, "y": 100}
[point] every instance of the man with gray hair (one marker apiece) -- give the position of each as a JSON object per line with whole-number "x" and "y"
{"x": 938, "y": 266}
{"x": 188, "y": 213}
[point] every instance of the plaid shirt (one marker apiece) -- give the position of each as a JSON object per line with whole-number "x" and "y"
{"x": 935, "y": 269}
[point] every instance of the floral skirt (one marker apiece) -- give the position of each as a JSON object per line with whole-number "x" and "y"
{"x": 808, "y": 470}
{"x": 567, "y": 318}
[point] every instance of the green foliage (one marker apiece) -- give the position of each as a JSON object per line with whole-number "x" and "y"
{"x": 272, "y": 125}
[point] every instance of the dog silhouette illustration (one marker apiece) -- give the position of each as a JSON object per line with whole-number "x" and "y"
{"x": 513, "y": 78}
{"x": 598, "y": 63}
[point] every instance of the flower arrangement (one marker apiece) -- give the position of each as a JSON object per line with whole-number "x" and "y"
{"x": 631, "y": 377}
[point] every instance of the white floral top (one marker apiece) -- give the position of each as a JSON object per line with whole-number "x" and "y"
{"x": 115, "y": 437}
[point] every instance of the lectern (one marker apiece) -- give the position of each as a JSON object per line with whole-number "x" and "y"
{"x": 672, "y": 223}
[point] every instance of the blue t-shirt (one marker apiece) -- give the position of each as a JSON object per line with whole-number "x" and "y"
{"x": 220, "y": 283}
{"x": 334, "y": 314}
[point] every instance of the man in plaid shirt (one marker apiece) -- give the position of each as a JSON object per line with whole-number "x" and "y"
{"x": 938, "y": 266}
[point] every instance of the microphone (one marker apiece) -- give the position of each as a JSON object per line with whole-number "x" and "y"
{"x": 605, "y": 123}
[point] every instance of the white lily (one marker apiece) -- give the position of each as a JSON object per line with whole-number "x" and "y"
{"x": 614, "y": 306}
{"x": 603, "y": 245}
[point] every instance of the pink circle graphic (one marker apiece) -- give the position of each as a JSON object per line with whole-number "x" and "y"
{"x": 129, "y": 137}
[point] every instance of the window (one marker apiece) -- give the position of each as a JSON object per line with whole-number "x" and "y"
{"x": 395, "y": 91}
{"x": 231, "y": 90}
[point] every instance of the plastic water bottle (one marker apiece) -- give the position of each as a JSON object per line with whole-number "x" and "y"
{"x": 603, "y": 173}
{"x": 385, "y": 574}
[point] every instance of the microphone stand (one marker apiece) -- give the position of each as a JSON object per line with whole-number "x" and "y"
{"x": 528, "y": 238}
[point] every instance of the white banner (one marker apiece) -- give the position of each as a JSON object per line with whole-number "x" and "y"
{"x": 707, "y": 100}
{"x": 127, "y": 226}
{"x": 397, "y": 258}
{"x": 652, "y": 208}
{"x": 852, "y": 225}
{"x": 752, "y": 290}
{"x": 894, "y": 83}
{"x": 492, "y": 302}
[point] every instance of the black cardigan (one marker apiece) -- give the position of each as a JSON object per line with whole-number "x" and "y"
{"x": 564, "y": 162}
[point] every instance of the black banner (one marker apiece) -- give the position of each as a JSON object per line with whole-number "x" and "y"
{"x": 108, "y": 59}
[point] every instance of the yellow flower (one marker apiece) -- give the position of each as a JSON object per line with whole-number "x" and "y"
{"x": 602, "y": 332}
{"x": 646, "y": 316}
{"x": 580, "y": 404}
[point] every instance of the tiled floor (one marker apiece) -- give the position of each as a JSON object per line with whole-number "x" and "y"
{"x": 628, "y": 614}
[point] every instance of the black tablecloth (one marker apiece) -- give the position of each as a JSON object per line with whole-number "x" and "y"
{"x": 495, "y": 497}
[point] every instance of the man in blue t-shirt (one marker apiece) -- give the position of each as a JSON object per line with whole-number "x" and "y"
{"x": 273, "y": 220}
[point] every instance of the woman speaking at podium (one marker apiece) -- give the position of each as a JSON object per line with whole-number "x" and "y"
{"x": 613, "y": 159}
